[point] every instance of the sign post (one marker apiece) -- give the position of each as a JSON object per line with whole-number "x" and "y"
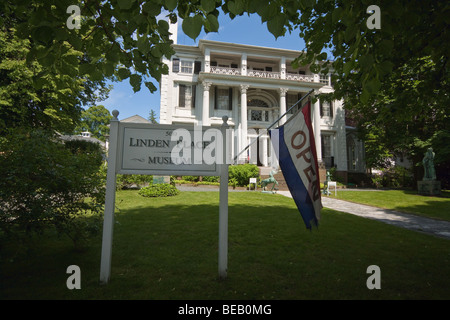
{"x": 110, "y": 200}
{"x": 137, "y": 148}
{"x": 223, "y": 205}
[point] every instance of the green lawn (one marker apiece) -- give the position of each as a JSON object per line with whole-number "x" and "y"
{"x": 167, "y": 249}
{"x": 402, "y": 200}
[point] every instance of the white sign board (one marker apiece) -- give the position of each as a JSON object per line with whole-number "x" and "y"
{"x": 167, "y": 149}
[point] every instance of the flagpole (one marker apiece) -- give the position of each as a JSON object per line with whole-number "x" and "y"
{"x": 275, "y": 122}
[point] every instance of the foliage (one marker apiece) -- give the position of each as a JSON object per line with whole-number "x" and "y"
{"x": 31, "y": 96}
{"x": 125, "y": 181}
{"x": 159, "y": 190}
{"x": 95, "y": 120}
{"x": 48, "y": 185}
{"x": 393, "y": 177}
{"x": 241, "y": 174}
{"x": 152, "y": 117}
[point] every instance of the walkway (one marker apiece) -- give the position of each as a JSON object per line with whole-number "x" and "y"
{"x": 438, "y": 228}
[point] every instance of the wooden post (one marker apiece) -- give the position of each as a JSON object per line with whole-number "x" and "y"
{"x": 110, "y": 199}
{"x": 223, "y": 203}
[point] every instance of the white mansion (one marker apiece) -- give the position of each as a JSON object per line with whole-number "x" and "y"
{"x": 253, "y": 86}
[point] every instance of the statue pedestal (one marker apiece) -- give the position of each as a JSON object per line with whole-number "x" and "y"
{"x": 429, "y": 187}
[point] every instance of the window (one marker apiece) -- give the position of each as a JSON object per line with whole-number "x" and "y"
{"x": 186, "y": 66}
{"x": 326, "y": 109}
{"x": 324, "y": 78}
{"x": 327, "y": 157}
{"x": 291, "y": 99}
{"x": 186, "y": 96}
{"x": 223, "y": 98}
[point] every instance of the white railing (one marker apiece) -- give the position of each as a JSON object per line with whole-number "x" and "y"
{"x": 264, "y": 74}
{"x": 300, "y": 77}
{"x": 225, "y": 70}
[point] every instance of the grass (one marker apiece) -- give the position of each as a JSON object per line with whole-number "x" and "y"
{"x": 403, "y": 201}
{"x": 166, "y": 248}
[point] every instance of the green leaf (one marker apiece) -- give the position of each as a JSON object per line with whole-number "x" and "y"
{"x": 208, "y": 5}
{"x": 192, "y": 26}
{"x": 135, "y": 81}
{"x": 143, "y": 44}
{"x": 373, "y": 85}
{"x": 170, "y": 4}
{"x": 236, "y": 7}
{"x": 276, "y": 25}
{"x": 150, "y": 86}
{"x": 211, "y": 23}
{"x": 123, "y": 73}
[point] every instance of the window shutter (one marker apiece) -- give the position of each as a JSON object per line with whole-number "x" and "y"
{"x": 194, "y": 89}
{"x": 230, "y": 98}
{"x": 175, "y": 65}
{"x": 215, "y": 98}
{"x": 331, "y": 109}
{"x": 321, "y": 109}
{"x": 197, "y": 67}
{"x": 182, "y": 96}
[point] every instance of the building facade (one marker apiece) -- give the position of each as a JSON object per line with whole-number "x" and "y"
{"x": 253, "y": 86}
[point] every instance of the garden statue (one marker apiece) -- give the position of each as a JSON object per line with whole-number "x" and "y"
{"x": 429, "y": 185}
{"x": 428, "y": 165}
{"x": 326, "y": 189}
{"x": 269, "y": 180}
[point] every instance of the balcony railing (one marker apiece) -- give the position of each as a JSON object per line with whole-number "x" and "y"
{"x": 225, "y": 70}
{"x": 300, "y": 77}
{"x": 264, "y": 74}
{"x": 261, "y": 74}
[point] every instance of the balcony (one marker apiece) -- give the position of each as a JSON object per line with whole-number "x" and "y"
{"x": 262, "y": 74}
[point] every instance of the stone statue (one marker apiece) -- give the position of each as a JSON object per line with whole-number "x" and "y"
{"x": 326, "y": 190}
{"x": 269, "y": 180}
{"x": 428, "y": 165}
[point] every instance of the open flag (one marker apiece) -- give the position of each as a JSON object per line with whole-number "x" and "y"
{"x": 296, "y": 151}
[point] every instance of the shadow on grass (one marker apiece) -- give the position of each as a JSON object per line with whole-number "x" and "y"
{"x": 167, "y": 249}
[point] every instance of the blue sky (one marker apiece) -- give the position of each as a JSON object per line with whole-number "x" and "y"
{"x": 242, "y": 29}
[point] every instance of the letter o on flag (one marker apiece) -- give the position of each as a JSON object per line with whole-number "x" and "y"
{"x": 298, "y": 146}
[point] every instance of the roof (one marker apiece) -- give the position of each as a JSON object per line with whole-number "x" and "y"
{"x": 136, "y": 119}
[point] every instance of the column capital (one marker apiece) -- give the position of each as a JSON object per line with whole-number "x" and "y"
{"x": 283, "y": 91}
{"x": 206, "y": 85}
{"x": 244, "y": 88}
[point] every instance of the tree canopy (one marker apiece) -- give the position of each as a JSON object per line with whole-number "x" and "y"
{"x": 401, "y": 64}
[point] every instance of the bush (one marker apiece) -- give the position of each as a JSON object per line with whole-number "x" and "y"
{"x": 46, "y": 184}
{"x": 241, "y": 174}
{"x": 159, "y": 190}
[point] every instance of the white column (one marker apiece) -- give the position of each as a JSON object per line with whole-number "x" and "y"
{"x": 316, "y": 127}
{"x": 244, "y": 142}
{"x": 207, "y": 60}
{"x": 205, "y": 107}
{"x": 283, "y": 68}
{"x": 263, "y": 152}
{"x": 283, "y": 92}
{"x": 244, "y": 64}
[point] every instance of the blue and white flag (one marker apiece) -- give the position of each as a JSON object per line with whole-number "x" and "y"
{"x": 296, "y": 151}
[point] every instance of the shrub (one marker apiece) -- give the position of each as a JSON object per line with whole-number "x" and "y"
{"x": 241, "y": 174}
{"x": 48, "y": 184}
{"x": 159, "y": 190}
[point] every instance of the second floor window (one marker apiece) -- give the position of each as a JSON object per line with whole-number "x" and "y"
{"x": 186, "y": 66}
{"x": 326, "y": 109}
